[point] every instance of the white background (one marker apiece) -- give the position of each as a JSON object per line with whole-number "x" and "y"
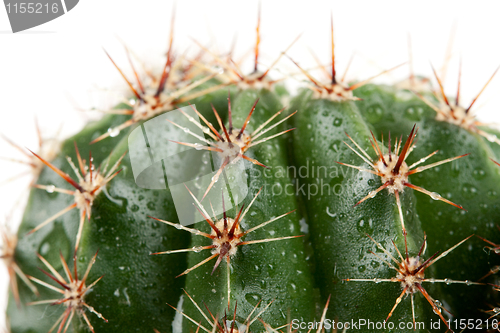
{"x": 58, "y": 70}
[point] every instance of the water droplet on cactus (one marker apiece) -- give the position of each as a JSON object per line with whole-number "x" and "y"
{"x": 372, "y": 194}
{"x": 491, "y": 137}
{"x": 197, "y": 249}
{"x": 44, "y": 249}
{"x": 435, "y": 196}
{"x": 50, "y": 189}
{"x": 337, "y": 122}
{"x": 377, "y": 280}
{"x": 132, "y": 101}
{"x": 468, "y": 282}
{"x": 438, "y": 305}
{"x": 447, "y": 281}
{"x": 113, "y": 132}
{"x": 253, "y": 298}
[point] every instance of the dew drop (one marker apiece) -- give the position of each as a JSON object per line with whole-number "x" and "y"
{"x": 113, "y": 132}
{"x": 447, "y": 281}
{"x": 50, "y": 189}
{"x": 438, "y": 305}
{"x": 44, "y": 249}
{"x": 435, "y": 196}
{"x": 491, "y": 137}
{"x": 377, "y": 280}
{"x": 337, "y": 122}
{"x": 372, "y": 194}
{"x": 468, "y": 282}
{"x": 197, "y": 249}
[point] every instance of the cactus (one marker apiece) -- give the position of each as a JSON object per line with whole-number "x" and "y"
{"x": 300, "y": 250}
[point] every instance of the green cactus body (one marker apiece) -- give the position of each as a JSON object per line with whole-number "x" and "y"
{"x": 338, "y": 230}
{"x": 306, "y": 182}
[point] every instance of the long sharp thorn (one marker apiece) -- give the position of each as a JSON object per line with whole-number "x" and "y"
{"x": 370, "y": 195}
{"x": 254, "y": 161}
{"x": 248, "y": 118}
{"x": 221, "y": 124}
{"x": 257, "y": 42}
{"x": 236, "y": 222}
{"x": 431, "y": 302}
{"x": 164, "y": 76}
{"x": 123, "y": 75}
{"x": 334, "y": 80}
{"x": 63, "y": 175}
{"x": 224, "y": 211}
{"x": 347, "y": 68}
{"x": 133, "y": 69}
{"x": 445, "y": 253}
{"x": 410, "y": 62}
{"x": 52, "y": 218}
{"x": 484, "y": 87}
{"x": 198, "y": 265}
{"x": 316, "y": 83}
{"x": 229, "y": 111}
{"x": 216, "y": 176}
{"x": 276, "y": 61}
{"x": 390, "y": 153}
{"x": 457, "y": 101}
{"x": 400, "y": 210}
{"x": 362, "y": 83}
{"x": 441, "y": 87}
{"x": 398, "y": 300}
{"x": 434, "y": 196}
{"x": 212, "y": 225}
{"x": 402, "y": 156}
{"x": 425, "y": 264}
{"x": 217, "y": 263}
